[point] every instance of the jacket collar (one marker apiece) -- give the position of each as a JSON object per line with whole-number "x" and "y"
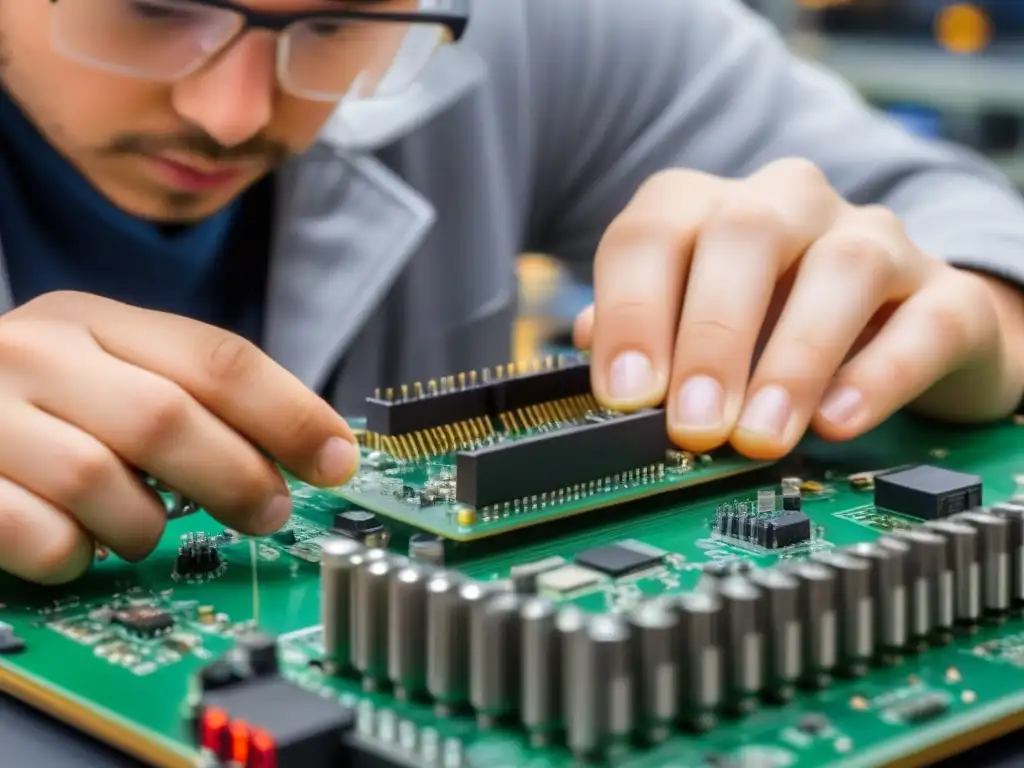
{"x": 370, "y": 126}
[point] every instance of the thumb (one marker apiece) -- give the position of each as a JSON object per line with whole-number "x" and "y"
{"x": 583, "y": 328}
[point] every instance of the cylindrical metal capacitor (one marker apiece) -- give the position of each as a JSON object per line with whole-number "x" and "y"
{"x": 780, "y": 620}
{"x": 407, "y": 631}
{"x": 494, "y": 657}
{"x": 713, "y": 574}
{"x": 889, "y": 595}
{"x": 918, "y": 578}
{"x": 962, "y": 559}
{"x": 600, "y": 689}
{"x": 819, "y": 620}
{"x": 994, "y": 559}
{"x": 541, "y": 670}
{"x": 742, "y": 644}
{"x": 426, "y": 548}
{"x": 855, "y": 610}
{"x": 370, "y": 614}
{"x": 656, "y": 640}
{"x": 1013, "y": 513}
{"x": 448, "y": 640}
{"x": 703, "y": 686}
{"x": 336, "y": 601}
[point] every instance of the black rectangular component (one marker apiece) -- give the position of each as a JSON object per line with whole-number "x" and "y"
{"x": 144, "y": 621}
{"x": 486, "y": 400}
{"x": 789, "y": 529}
{"x": 307, "y": 729}
{"x": 557, "y": 460}
{"x": 928, "y": 493}
{"x": 617, "y": 560}
{"x": 415, "y": 414}
{"x": 542, "y": 387}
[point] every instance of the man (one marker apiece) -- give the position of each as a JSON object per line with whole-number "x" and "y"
{"x": 151, "y": 250}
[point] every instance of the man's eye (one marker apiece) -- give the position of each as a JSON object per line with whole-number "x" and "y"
{"x": 156, "y": 11}
{"x": 326, "y": 27}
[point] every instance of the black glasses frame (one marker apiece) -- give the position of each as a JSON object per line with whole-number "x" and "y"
{"x": 456, "y": 23}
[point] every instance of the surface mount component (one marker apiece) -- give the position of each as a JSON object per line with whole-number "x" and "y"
{"x": 620, "y": 559}
{"x": 555, "y": 462}
{"x": 365, "y": 527}
{"x": 926, "y": 492}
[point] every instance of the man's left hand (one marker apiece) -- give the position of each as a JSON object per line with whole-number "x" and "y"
{"x": 757, "y": 308}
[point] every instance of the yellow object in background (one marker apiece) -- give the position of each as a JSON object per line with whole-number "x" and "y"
{"x": 539, "y": 278}
{"x": 963, "y": 28}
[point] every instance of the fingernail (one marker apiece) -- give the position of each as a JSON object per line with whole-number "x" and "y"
{"x": 841, "y": 404}
{"x": 700, "y": 402}
{"x": 768, "y": 412}
{"x": 631, "y": 377}
{"x": 274, "y": 515}
{"x": 335, "y": 461}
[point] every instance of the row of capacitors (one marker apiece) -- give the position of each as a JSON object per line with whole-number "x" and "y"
{"x": 601, "y": 682}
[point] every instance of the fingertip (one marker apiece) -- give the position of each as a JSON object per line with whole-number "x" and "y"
{"x": 696, "y": 440}
{"x": 583, "y": 328}
{"x": 67, "y": 556}
{"x": 336, "y": 461}
{"x": 138, "y": 551}
{"x": 272, "y": 517}
{"x": 630, "y": 382}
{"x": 842, "y": 415}
{"x": 757, "y": 446}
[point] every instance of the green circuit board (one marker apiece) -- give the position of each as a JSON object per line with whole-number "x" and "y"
{"x": 82, "y": 665}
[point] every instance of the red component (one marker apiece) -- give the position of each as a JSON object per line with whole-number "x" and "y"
{"x": 213, "y": 731}
{"x": 262, "y": 750}
{"x": 239, "y": 733}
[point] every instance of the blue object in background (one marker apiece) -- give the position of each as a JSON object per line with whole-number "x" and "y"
{"x": 923, "y": 121}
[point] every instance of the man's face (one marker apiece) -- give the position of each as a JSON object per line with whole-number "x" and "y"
{"x": 167, "y": 152}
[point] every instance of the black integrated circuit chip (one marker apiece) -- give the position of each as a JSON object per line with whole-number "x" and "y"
{"x": 617, "y": 560}
{"x": 551, "y": 461}
{"x": 789, "y": 529}
{"x": 928, "y": 493}
{"x": 144, "y": 621}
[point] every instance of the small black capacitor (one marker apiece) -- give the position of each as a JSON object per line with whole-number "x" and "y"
{"x": 791, "y": 501}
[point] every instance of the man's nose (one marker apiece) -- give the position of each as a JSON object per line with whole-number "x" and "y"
{"x": 232, "y": 99}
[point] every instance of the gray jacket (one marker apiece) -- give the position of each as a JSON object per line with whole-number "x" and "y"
{"x": 395, "y": 239}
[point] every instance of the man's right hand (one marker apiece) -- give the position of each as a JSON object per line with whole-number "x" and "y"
{"x": 93, "y": 391}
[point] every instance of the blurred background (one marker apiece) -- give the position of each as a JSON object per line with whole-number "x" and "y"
{"x": 947, "y": 69}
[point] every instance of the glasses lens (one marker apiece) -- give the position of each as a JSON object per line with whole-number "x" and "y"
{"x": 159, "y": 39}
{"x": 356, "y": 58}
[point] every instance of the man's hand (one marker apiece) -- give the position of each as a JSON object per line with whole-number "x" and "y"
{"x": 91, "y": 391}
{"x": 846, "y": 319}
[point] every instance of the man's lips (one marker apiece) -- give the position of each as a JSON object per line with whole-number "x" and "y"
{"x": 196, "y": 178}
